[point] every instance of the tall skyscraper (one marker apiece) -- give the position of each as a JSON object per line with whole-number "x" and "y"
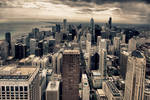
{"x": 8, "y": 40}
{"x": 132, "y": 45}
{"x": 135, "y": 77}
{"x": 70, "y": 75}
{"x": 65, "y": 25}
{"x": 20, "y": 51}
{"x": 33, "y": 45}
{"x": 110, "y": 23}
{"x": 92, "y": 30}
{"x": 102, "y": 65}
{"x": 123, "y": 63}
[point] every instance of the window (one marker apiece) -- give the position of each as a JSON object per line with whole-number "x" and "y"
{"x": 7, "y": 88}
{"x": 21, "y": 88}
{"x": 16, "y": 88}
{"x": 3, "y": 88}
{"x": 12, "y": 88}
{"x": 25, "y": 88}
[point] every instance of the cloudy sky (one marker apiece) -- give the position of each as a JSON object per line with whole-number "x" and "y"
{"x": 121, "y": 11}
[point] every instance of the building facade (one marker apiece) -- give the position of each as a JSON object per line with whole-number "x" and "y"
{"x": 70, "y": 75}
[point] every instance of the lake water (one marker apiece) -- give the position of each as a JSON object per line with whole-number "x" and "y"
{"x": 20, "y": 28}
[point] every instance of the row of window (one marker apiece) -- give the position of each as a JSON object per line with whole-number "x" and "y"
{"x": 14, "y": 88}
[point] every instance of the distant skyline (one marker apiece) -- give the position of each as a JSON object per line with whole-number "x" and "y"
{"x": 121, "y": 11}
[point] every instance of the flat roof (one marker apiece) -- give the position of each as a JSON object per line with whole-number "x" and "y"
{"x": 113, "y": 88}
{"x": 16, "y": 72}
{"x": 100, "y": 92}
{"x": 71, "y": 52}
{"x": 53, "y": 86}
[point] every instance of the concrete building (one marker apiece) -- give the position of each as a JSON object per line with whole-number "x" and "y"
{"x": 96, "y": 79}
{"x": 52, "y": 90}
{"x": 70, "y": 75}
{"x": 123, "y": 63}
{"x": 85, "y": 88}
{"x": 19, "y": 83}
{"x": 103, "y": 63}
{"x": 132, "y": 45}
{"x": 92, "y": 30}
{"x": 101, "y": 95}
{"x": 33, "y": 45}
{"x": 111, "y": 91}
{"x": 103, "y": 44}
{"x": 135, "y": 77}
{"x": 4, "y": 46}
{"x": 147, "y": 90}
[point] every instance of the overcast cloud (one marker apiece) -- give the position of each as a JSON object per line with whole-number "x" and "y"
{"x": 122, "y": 11}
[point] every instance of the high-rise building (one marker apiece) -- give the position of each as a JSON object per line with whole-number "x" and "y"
{"x": 65, "y": 25}
{"x": 20, "y": 51}
{"x": 70, "y": 75}
{"x": 135, "y": 77}
{"x": 103, "y": 44}
{"x": 116, "y": 43}
{"x": 92, "y": 30}
{"x": 52, "y": 90}
{"x": 40, "y": 46}
{"x": 132, "y": 45}
{"x": 19, "y": 83}
{"x": 35, "y": 32}
{"x": 4, "y": 49}
{"x": 58, "y": 27}
{"x": 8, "y": 40}
{"x": 33, "y": 45}
{"x": 85, "y": 88}
{"x": 123, "y": 63}
{"x": 102, "y": 65}
{"x": 110, "y": 23}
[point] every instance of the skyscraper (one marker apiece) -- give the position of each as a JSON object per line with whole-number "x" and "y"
{"x": 102, "y": 65}
{"x": 110, "y": 23}
{"x": 92, "y": 30}
{"x": 70, "y": 75}
{"x": 8, "y": 40}
{"x": 135, "y": 77}
{"x": 65, "y": 25}
{"x": 20, "y": 51}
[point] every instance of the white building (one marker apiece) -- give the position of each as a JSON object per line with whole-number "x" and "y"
{"x": 19, "y": 83}
{"x": 52, "y": 90}
{"x": 85, "y": 87}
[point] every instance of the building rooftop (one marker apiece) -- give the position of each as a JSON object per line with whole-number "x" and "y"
{"x": 100, "y": 92}
{"x": 16, "y": 72}
{"x": 53, "y": 86}
{"x": 71, "y": 52}
{"x": 113, "y": 88}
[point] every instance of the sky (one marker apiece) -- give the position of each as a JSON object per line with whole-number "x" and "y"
{"x": 121, "y": 11}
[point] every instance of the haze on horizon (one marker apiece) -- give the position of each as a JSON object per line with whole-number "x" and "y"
{"x": 122, "y": 11}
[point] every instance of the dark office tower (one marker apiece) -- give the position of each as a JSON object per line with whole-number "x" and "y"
{"x": 110, "y": 23}
{"x": 8, "y": 40}
{"x": 40, "y": 46}
{"x": 70, "y": 75}
{"x": 35, "y": 32}
{"x": 65, "y": 25}
{"x": 58, "y": 27}
{"x": 92, "y": 30}
{"x": 20, "y": 51}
